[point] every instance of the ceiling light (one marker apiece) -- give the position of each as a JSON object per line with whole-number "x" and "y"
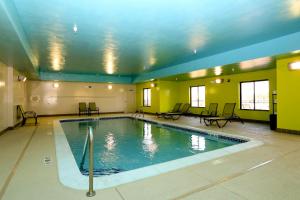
{"x": 195, "y": 51}
{"x": 109, "y": 87}
{"x": 152, "y": 84}
{"x": 294, "y": 65}
{"x": 55, "y": 85}
{"x": 218, "y": 70}
{"x": 219, "y": 80}
{"x": 75, "y": 28}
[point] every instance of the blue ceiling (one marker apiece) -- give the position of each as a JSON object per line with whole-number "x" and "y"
{"x": 134, "y": 40}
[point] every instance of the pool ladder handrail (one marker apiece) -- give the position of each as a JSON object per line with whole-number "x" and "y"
{"x": 89, "y": 139}
{"x": 139, "y": 112}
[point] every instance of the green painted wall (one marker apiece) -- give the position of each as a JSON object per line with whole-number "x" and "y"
{"x": 164, "y": 96}
{"x": 230, "y": 92}
{"x": 167, "y": 93}
{"x": 154, "y": 97}
{"x": 288, "y": 95}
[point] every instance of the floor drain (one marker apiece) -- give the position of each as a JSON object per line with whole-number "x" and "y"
{"x": 47, "y": 161}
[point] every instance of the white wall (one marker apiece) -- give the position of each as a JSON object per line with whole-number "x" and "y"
{"x": 3, "y": 97}
{"x": 19, "y": 96}
{"x": 12, "y": 93}
{"x": 44, "y": 99}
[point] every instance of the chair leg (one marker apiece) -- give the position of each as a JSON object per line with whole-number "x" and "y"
{"x": 23, "y": 122}
{"x": 209, "y": 122}
{"x": 35, "y": 120}
{"x": 224, "y": 124}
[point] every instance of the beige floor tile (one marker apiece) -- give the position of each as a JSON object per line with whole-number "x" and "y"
{"x": 165, "y": 186}
{"x": 268, "y": 182}
{"x": 214, "y": 193}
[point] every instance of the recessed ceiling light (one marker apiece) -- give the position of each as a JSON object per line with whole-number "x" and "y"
{"x": 195, "y": 51}
{"x": 109, "y": 87}
{"x": 218, "y": 70}
{"x": 55, "y": 85}
{"x": 294, "y": 66}
{"x": 219, "y": 80}
{"x": 75, "y": 28}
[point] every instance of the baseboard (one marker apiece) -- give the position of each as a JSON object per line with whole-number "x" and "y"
{"x": 3, "y": 131}
{"x": 72, "y": 114}
{"x": 256, "y": 121}
{"x": 9, "y": 128}
{"x": 281, "y": 130}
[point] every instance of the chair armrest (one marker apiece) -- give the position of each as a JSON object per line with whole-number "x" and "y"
{"x": 32, "y": 113}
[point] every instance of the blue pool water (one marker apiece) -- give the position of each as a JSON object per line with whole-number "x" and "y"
{"x": 123, "y": 144}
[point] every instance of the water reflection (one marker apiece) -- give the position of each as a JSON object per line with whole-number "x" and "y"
{"x": 294, "y": 8}
{"x": 198, "y": 73}
{"x": 57, "y": 57}
{"x": 109, "y": 156}
{"x": 198, "y": 142}
{"x": 110, "y": 142}
{"x": 149, "y": 144}
{"x": 198, "y": 37}
{"x": 109, "y": 57}
{"x": 259, "y": 62}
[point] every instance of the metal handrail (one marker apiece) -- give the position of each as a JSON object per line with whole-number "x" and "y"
{"x": 90, "y": 136}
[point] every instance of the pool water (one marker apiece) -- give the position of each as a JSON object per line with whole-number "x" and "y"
{"x": 122, "y": 144}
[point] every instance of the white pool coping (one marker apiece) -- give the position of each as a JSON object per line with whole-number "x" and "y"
{"x": 70, "y": 175}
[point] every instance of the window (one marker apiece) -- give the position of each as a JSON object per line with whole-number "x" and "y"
{"x": 254, "y": 95}
{"x": 198, "y": 96}
{"x": 147, "y": 97}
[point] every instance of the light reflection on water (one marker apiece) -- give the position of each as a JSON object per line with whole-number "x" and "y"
{"x": 198, "y": 142}
{"x": 149, "y": 144}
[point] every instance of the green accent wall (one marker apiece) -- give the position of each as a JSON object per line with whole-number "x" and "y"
{"x": 288, "y": 96}
{"x": 167, "y": 93}
{"x": 163, "y": 96}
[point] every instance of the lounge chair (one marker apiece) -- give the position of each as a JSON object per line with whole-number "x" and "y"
{"x": 174, "y": 110}
{"x": 211, "y": 112}
{"x": 82, "y": 108}
{"x": 227, "y": 116}
{"x": 93, "y": 108}
{"x": 176, "y": 115}
{"x": 26, "y": 115}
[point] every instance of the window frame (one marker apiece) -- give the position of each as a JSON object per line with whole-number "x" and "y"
{"x": 254, "y": 109}
{"x": 198, "y": 102}
{"x": 148, "y": 102}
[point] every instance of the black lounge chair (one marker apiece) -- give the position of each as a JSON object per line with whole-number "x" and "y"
{"x": 82, "y": 108}
{"x": 176, "y": 115}
{"x": 93, "y": 108}
{"x": 174, "y": 110}
{"x": 26, "y": 115}
{"x": 211, "y": 112}
{"x": 227, "y": 116}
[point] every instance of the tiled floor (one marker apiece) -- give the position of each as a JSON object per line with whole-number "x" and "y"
{"x": 270, "y": 171}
